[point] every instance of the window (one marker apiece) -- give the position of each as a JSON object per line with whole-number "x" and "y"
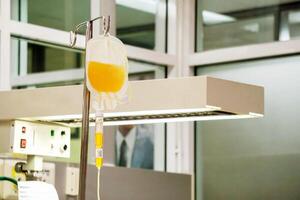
{"x": 141, "y": 23}
{"x": 292, "y": 20}
{"x": 237, "y": 23}
{"x": 57, "y": 14}
{"x": 37, "y": 57}
{"x": 54, "y": 65}
{"x": 45, "y": 49}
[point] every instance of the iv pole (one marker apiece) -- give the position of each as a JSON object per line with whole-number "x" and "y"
{"x": 85, "y": 123}
{"x": 86, "y": 103}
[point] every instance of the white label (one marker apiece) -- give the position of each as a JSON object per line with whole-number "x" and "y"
{"x": 36, "y": 190}
{"x": 99, "y": 153}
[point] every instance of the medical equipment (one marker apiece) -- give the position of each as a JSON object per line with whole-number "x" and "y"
{"x": 106, "y": 79}
{"x": 34, "y": 140}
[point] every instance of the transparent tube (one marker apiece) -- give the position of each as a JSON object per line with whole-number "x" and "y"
{"x": 99, "y": 138}
{"x": 98, "y": 146}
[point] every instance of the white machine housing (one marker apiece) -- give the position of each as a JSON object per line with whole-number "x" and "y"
{"x": 35, "y": 138}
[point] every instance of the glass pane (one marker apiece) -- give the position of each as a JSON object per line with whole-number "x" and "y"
{"x": 36, "y": 57}
{"x": 294, "y": 24}
{"x": 29, "y": 57}
{"x": 58, "y": 14}
{"x": 237, "y": 23}
{"x": 253, "y": 158}
{"x": 248, "y": 31}
{"x": 142, "y": 23}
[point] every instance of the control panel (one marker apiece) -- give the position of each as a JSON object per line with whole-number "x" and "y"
{"x": 35, "y": 138}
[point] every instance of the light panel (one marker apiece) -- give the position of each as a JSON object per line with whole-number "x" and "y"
{"x": 152, "y": 101}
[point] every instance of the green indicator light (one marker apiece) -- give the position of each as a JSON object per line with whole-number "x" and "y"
{"x": 52, "y": 133}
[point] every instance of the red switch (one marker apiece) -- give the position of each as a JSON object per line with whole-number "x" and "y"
{"x": 23, "y": 143}
{"x": 23, "y": 129}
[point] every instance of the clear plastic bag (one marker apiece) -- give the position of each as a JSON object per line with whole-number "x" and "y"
{"x": 107, "y": 71}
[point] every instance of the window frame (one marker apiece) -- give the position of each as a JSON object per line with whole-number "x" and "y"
{"x": 9, "y": 28}
{"x": 281, "y": 47}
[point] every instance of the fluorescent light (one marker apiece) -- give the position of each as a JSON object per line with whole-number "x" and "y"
{"x": 134, "y": 113}
{"x": 154, "y": 101}
{"x": 158, "y": 112}
{"x": 183, "y": 119}
{"x": 150, "y": 117}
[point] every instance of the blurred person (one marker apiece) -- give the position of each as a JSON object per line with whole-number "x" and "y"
{"x": 134, "y": 146}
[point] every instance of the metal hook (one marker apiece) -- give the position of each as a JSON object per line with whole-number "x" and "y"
{"x": 73, "y": 34}
{"x": 106, "y": 28}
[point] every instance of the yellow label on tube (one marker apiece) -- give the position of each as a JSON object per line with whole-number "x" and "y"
{"x": 99, "y": 162}
{"x": 99, "y": 140}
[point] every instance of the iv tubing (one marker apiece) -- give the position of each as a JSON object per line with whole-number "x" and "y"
{"x": 98, "y": 184}
{"x": 4, "y": 178}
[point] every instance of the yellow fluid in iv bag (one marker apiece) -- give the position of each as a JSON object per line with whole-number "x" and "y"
{"x": 104, "y": 77}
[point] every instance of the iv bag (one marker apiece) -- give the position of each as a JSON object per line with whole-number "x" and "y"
{"x": 107, "y": 71}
